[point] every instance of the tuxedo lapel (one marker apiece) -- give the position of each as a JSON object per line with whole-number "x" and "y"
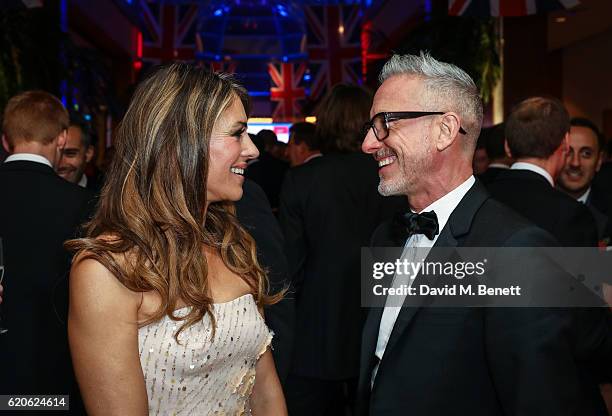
{"x": 368, "y": 343}
{"x": 384, "y": 236}
{"x": 457, "y": 226}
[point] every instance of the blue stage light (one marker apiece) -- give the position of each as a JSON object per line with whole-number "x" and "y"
{"x": 281, "y": 10}
{"x": 218, "y": 12}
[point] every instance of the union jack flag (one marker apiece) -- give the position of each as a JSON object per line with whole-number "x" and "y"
{"x": 334, "y": 46}
{"x": 287, "y": 90}
{"x": 170, "y": 31}
{"x": 506, "y": 7}
{"x": 223, "y": 66}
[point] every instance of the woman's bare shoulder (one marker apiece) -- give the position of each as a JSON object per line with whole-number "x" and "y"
{"x": 92, "y": 283}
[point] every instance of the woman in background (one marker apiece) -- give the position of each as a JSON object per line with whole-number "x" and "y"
{"x": 166, "y": 292}
{"x": 329, "y": 208}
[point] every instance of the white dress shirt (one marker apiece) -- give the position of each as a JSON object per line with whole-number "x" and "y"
{"x": 499, "y": 165}
{"x": 443, "y": 208}
{"x": 30, "y": 157}
{"x": 534, "y": 168}
{"x": 83, "y": 182}
{"x": 585, "y": 196}
{"x": 309, "y": 158}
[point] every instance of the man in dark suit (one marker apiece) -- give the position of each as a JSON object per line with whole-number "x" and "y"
{"x": 603, "y": 179}
{"x": 302, "y": 146}
{"x": 480, "y": 162}
{"x": 586, "y": 148}
{"x": 39, "y": 211}
{"x": 267, "y": 171}
{"x": 494, "y": 139}
{"x": 76, "y": 154}
{"x": 255, "y": 214}
{"x": 465, "y": 361}
{"x": 537, "y": 133}
{"x": 329, "y": 209}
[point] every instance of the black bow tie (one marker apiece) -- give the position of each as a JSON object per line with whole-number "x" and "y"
{"x": 411, "y": 223}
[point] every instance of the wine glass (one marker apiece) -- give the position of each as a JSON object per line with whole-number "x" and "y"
{"x": 3, "y": 330}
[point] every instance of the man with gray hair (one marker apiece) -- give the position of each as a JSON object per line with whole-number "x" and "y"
{"x": 426, "y": 117}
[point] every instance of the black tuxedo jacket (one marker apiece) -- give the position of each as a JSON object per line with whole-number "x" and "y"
{"x": 602, "y": 185}
{"x": 530, "y": 194}
{"x": 602, "y": 221}
{"x": 38, "y": 212}
{"x": 255, "y": 215}
{"x": 268, "y": 172}
{"x": 600, "y": 203}
{"x": 483, "y": 361}
{"x": 329, "y": 209}
{"x": 490, "y": 174}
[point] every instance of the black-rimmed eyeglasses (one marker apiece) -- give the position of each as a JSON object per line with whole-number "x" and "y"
{"x": 380, "y": 122}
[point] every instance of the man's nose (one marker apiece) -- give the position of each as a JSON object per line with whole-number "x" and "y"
{"x": 574, "y": 159}
{"x": 370, "y": 143}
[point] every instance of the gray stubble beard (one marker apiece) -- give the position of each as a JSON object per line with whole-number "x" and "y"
{"x": 394, "y": 187}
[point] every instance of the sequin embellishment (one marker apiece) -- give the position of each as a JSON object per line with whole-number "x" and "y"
{"x": 200, "y": 377}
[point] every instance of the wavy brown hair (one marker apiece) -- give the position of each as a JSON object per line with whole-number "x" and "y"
{"x": 151, "y": 224}
{"x": 340, "y": 119}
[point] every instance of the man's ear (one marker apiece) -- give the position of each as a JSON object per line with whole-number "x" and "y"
{"x": 565, "y": 144}
{"x": 507, "y": 149}
{"x": 600, "y": 158}
{"x": 449, "y": 130}
{"x": 563, "y": 150}
{"x": 61, "y": 139}
{"x": 89, "y": 153}
{"x": 6, "y": 144}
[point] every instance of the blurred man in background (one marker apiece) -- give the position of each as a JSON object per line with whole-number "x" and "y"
{"x": 494, "y": 146}
{"x": 586, "y": 154}
{"x": 302, "y": 146}
{"x": 537, "y": 134}
{"x": 77, "y": 153}
{"x": 39, "y": 211}
{"x": 267, "y": 170}
{"x": 480, "y": 163}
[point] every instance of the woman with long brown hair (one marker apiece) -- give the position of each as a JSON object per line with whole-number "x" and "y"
{"x": 165, "y": 290}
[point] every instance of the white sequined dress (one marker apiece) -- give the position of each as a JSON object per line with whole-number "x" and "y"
{"x": 200, "y": 377}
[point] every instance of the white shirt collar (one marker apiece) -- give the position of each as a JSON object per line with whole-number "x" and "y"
{"x": 30, "y": 157}
{"x": 499, "y": 165}
{"x": 83, "y": 182}
{"x": 534, "y": 168}
{"x": 585, "y": 196}
{"x": 445, "y": 206}
{"x": 309, "y": 158}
